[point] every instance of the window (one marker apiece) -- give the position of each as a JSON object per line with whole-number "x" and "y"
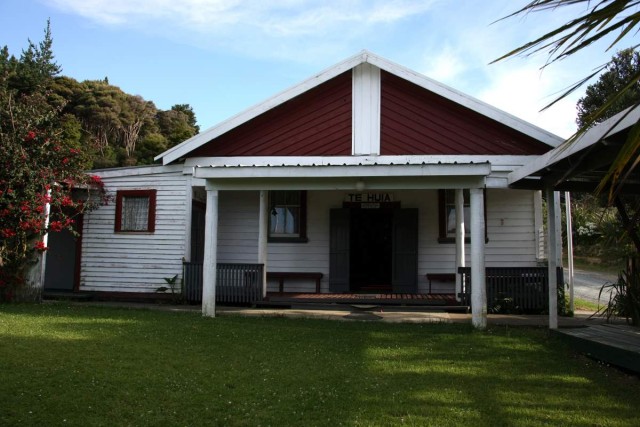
{"x": 135, "y": 211}
{"x": 447, "y": 215}
{"x": 288, "y": 216}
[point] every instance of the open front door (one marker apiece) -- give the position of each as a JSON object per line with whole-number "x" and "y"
{"x": 405, "y": 251}
{"x": 339, "y": 250}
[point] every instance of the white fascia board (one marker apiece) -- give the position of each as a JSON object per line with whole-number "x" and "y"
{"x": 360, "y": 171}
{"x": 615, "y": 124}
{"x": 136, "y": 170}
{"x": 347, "y": 183}
{"x": 196, "y": 141}
{"x": 503, "y": 162}
{"x": 465, "y": 100}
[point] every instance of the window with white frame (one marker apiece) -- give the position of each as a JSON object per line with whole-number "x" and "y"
{"x": 447, "y": 215}
{"x": 287, "y": 216}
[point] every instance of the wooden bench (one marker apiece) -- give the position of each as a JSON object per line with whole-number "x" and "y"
{"x": 440, "y": 277}
{"x": 281, "y": 276}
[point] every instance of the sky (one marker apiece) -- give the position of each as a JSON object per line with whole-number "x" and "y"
{"x": 224, "y": 56}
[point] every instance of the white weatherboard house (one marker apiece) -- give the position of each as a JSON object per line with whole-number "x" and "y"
{"x": 367, "y": 177}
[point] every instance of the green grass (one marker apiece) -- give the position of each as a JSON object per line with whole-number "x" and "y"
{"x": 582, "y": 304}
{"x": 96, "y": 366}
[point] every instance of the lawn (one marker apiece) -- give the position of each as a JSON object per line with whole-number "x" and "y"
{"x": 90, "y": 366}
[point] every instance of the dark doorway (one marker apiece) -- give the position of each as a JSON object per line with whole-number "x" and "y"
{"x": 63, "y": 258}
{"x": 371, "y": 249}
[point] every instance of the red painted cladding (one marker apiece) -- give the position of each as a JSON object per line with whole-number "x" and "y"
{"x": 417, "y": 121}
{"x": 315, "y": 123}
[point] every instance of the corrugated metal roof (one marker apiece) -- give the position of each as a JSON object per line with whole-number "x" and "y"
{"x": 343, "y": 164}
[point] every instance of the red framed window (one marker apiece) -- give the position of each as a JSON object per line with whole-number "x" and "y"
{"x": 135, "y": 211}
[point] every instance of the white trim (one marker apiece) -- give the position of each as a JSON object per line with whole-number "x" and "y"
{"x": 263, "y": 232}
{"x": 501, "y": 163}
{"x": 136, "y": 170}
{"x": 347, "y": 183}
{"x": 538, "y": 223}
{"x": 366, "y": 91}
{"x": 359, "y": 171}
{"x": 467, "y": 101}
{"x": 188, "y": 211}
{"x": 460, "y": 236}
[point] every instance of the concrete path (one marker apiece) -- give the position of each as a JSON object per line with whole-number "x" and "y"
{"x": 385, "y": 314}
{"x": 587, "y": 284}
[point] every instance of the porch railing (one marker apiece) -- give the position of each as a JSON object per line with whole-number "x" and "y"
{"x": 235, "y": 283}
{"x": 512, "y": 289}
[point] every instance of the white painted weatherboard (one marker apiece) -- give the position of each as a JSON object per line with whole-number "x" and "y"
{"x": 510, "y": 225}
{"x": 136, "y": 262}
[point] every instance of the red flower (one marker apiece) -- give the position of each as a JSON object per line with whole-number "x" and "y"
{"x": 95, "y": 179}
{"x": 30, "y": 136}
{"x": 40, "y": 246}
{"x": 56, "y": 226}
{"x": 66, "y": 201}
{"x": 8, "y": 233}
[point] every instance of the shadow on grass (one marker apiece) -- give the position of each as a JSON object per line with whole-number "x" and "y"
{"x": 99, "y": 366}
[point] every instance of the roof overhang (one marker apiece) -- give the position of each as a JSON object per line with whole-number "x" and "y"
{"x": 344, "y": 177}
{"x": 580, "y": 165}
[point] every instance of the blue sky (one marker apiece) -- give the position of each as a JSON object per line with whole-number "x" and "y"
{"x": 223, "y": 56}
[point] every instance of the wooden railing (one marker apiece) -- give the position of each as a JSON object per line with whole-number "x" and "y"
{"x": 235, "y": 283}
{"x": 512, "y": 289}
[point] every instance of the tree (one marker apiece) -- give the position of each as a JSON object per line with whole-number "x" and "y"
{"x": 42, "y": 180}
{"x": 619, "y": 71}
{"x": 602, "y": 18}
{"x": 177, "y": 124}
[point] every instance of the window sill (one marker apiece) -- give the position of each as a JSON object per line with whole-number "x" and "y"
{"x": 287, "y": 240}
{"x": 133, "y": 232}
{"x": 448, "y": 240}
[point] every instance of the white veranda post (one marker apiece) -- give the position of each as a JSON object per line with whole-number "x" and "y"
{"x": 478, "y": 277}
{"x": 460, "y": 236}
{"x": 552, "y": 255}
{"x": 209, "y": 266}
{"x": 262, "y": 237}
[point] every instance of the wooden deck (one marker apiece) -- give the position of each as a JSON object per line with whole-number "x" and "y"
{"x": 617, "y": 345}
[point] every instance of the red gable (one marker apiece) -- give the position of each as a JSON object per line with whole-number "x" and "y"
{"x": 393, "y": 110}
{"x": 417, "y": 121}
{"x": 315, "y": 123}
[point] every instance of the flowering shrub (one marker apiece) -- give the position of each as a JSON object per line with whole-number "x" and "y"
{"x": 40, "y": 174}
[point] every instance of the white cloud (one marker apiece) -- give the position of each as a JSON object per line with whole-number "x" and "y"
{"x": 524, "y": 90}
{"x": 288, "y": 17}
{"x": 293, "y": 30}
{"x": 445, "y": 66}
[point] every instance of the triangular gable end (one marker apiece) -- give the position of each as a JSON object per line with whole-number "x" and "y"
{"x": 417, "y": 116}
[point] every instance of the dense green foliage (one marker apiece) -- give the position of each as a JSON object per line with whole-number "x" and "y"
{"x": 114, "y": 128}
{"x": 613, "y": 80}
{"x": 78, "y": 365}
{"x": 43, "y": 184}
{"x": 52, "y": 130}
